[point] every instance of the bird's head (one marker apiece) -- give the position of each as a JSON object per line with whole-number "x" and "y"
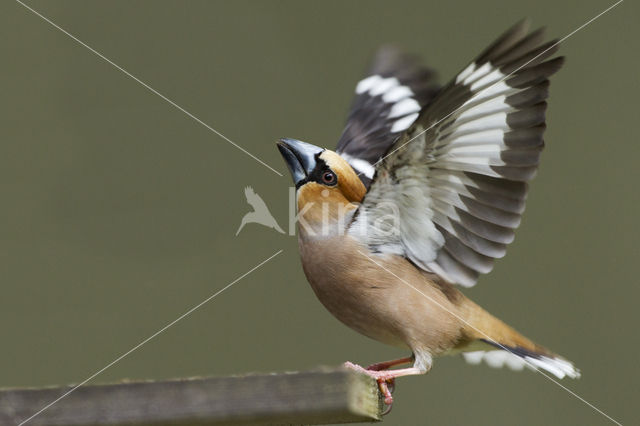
{"x": 322, "y": 177}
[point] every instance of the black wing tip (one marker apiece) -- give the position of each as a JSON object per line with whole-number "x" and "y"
{"x": 507, "y": 39}
{"x": 536, "y": 74}
{"x": 520, "y": 27}
{"x": 390, "y": 59}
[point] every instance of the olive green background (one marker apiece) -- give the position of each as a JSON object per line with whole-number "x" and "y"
{"x": 119, "y": 212}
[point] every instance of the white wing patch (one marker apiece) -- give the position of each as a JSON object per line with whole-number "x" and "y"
{"x": 405, "y": 108}
{"x": 465, "y": 73}
{"x": 366, "y": 84}
{"x": 360, "y": 165}
{"x": 403, "y": 123}
{"x": 398, "y": 93}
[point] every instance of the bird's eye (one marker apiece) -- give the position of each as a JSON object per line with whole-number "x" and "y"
{"x": 328, "y": 178}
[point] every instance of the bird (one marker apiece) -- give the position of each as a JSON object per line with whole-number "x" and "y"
{"x": 424, "y": 190}
{"x": 260, "y": 213}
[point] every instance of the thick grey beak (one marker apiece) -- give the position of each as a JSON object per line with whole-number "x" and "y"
{"x": 300, "y": 157}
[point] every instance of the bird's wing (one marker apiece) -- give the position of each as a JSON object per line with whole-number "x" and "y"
{"x": 386, "y": 102}
{"x": 452, "y": 189}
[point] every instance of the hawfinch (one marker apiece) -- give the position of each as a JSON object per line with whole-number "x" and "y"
{"x": 425, "y": 189}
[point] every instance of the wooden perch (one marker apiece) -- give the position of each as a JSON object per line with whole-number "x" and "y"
{"x": 311, "y": 397}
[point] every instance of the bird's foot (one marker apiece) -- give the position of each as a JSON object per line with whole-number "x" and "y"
{"x": 386, "y": 382}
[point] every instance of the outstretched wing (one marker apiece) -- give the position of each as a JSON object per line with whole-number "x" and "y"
{"x": 387, "y": 102}
{"x": 452, "y": 189}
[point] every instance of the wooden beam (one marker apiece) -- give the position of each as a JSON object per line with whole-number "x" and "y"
{"x": 311, "y": 397}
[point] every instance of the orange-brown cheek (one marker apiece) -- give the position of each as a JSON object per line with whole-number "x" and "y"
{"x": 313, "y": 196}
{"x": 313, "y": 192}
{"x": 354, "y": 191}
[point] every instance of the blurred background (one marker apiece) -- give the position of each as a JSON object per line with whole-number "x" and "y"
{"x": 119, "y": 212}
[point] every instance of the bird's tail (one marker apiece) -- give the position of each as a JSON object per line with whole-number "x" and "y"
{"x": 499, "y": 345}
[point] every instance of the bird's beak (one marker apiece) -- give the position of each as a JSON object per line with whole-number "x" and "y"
{"x": 300, "y": 157}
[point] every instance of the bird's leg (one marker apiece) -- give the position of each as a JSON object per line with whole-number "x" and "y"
{"x": 386, "y": 377}
{"x": 385, "y": 365}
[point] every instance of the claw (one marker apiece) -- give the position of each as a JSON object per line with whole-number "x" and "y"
{"x": 384, "y": 388}
{"x": 391, "y": 384}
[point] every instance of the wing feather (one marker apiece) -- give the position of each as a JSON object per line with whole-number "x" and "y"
{"x": 387, "y": 101}
{"x": 459, "y": 174}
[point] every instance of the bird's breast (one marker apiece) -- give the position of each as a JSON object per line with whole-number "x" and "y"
{"x": 372, "y": 298}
